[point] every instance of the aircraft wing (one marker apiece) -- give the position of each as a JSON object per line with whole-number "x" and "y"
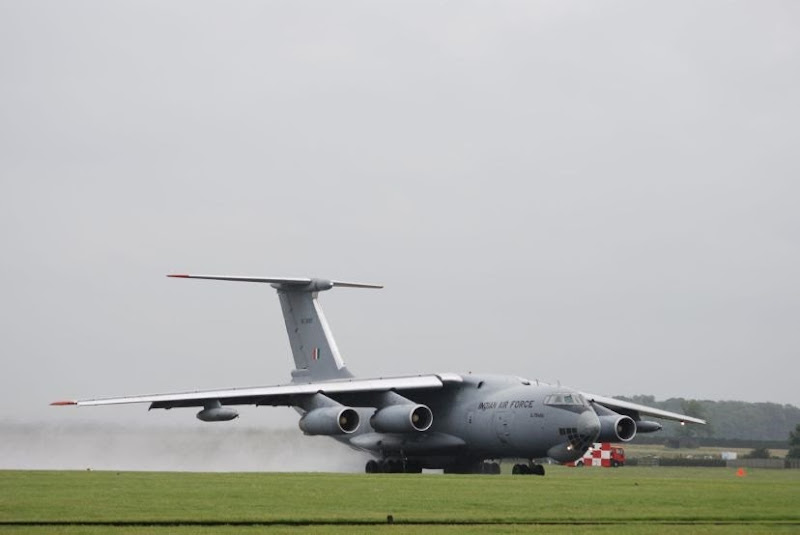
{"x": 279, "y": 394}
{"x": 624, "y": 407}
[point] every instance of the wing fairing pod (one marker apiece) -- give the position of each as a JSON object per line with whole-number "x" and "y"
{"x": 646, "y": 426}
{"x": 215, "y": 412}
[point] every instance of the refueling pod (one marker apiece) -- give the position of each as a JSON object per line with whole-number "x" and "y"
{"x": 330, "y": 421}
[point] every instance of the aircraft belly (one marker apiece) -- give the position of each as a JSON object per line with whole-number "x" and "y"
{"x": 417, "y": 443}
{"x": 467, "y": 426}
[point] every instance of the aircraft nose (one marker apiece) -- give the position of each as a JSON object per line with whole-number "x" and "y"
{"x": 589, "y": 425}
{"x": 587, "y": 428}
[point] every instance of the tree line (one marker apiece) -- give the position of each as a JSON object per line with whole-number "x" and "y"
{"x": 733, "y": 420}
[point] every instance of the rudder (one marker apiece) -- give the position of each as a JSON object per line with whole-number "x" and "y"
{"x": 316, "y": 356}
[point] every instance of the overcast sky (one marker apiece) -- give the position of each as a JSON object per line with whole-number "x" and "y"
{"x": 599, "y": 193}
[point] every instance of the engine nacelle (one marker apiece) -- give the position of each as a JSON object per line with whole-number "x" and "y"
{"x": 330, "y": 421}
{"x": 217, "y": 414}
{"x": 646, "y": 426}
{"x": 402, "y": 418}
{"x": 616, "y": 428}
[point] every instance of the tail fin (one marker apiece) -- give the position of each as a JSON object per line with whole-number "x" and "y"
{"x": 316, "y": 357}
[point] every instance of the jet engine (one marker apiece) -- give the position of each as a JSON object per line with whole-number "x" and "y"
{"x": 616, "y": 428}
{"x": 330, "y": 421}
{"x": 217, "y": 414}
{"x": 402, "y": 418}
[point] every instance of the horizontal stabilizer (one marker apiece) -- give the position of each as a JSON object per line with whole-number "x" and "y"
{"x": 341, "y": 284}
{"x": 286, "y": 282}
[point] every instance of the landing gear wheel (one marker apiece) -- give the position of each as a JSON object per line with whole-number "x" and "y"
{"x": 372, "y": 467}
{"x": 528, "y": 469}
{"x": 464, "y": 468}
{"x": 393, "y": 466}
{"x": 521, "y": 469}
{"x": 490, "y": 468}
{"x": 413, "y": 468}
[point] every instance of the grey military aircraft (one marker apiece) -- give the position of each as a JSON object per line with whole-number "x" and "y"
{"x": 463, "y": 423}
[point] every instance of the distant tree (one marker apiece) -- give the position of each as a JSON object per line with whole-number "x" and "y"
{"x": 757, "y": 453}
{"x": 794, "y": 443}
{"x": 694, "y": 408}
{"x": 644, "y": 400}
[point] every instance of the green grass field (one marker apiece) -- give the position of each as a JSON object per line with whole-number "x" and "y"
{"x": 630, "y": 499}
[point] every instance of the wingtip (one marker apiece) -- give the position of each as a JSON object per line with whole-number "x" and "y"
{"x": 65, "y": 402}
{"x": 344, "y": 284}
{"x": 178, "y": 275}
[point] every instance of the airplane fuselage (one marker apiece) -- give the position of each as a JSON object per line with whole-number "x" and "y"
{"x": 463, "y": 423}
{"x": 489, "y": 417}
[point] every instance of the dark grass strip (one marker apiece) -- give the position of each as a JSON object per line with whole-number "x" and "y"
{"x": 290, "y": 523}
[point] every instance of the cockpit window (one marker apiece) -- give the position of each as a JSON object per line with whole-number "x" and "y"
{"x": 564, "y": 399}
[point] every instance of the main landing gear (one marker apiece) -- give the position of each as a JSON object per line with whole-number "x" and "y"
{"x": 528, "y": 469}
{"x": 473, "y": 468}
{"x": 400, "y": 466}
{"x": 490, "y": 468}
{"x": 392, "y": 466}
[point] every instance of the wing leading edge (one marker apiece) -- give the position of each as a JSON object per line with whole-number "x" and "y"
{"x": 627, "y": 406}
{"x": 278, "y": 394}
